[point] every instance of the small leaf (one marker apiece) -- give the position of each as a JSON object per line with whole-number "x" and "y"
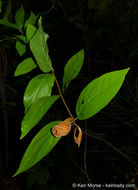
{"x": 21, "y": 38}
{"x": 8, "y": 24}
{"x": 31, "y": 20}
{"x": 38, "y": 87}
{"x": 25, "y": 66}
{"x": 73, "y": 68}
{"x": 39, "y": 48}
{"x": 98, "y": 93}
{"x": 7, "y": 13}
{"x": 36, "y": 112}
{"x": 19, "y": 16}
{"x": 39, "y": 147}
{"x": 21, "y": 48}
{"x": 30, "y": 31}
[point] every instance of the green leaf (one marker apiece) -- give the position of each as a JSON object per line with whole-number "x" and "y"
{"x": 40, "y": 146}
{"x": 21, "y": 38}
{"x": 19, "y": 16}
{"x": 72, "y": 68}
{"x": 30, "y": 31}
{"x": 8, "y": 24}
{"x": 25, "y": 66}
{"x": 98, "y": 93}
{"x": 36, "y": 112}
{"x": 7, "y": 13}
{"x": 39, "y": 48}
{"x": 38, "y": 87}
{"x": 0, "y": 6}
{"x": 31, "y": 20}
{"x": 20, "y": 47}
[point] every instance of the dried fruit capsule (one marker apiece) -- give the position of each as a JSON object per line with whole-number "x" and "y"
{"x": 61, "y": 129}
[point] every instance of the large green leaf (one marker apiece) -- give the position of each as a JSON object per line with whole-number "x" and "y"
{"x": 98, "y": 93}
{"x": 31, "y": 20}
{"x": 39, "y": 86}
{"x": 73, "y": 68}
{"x": 39, "y": 48}
{"x": 30, "y": 31}
{"x": 19, "y": 16}
{"x": 40, "y": 146}
{"x": 36, "y": 112}
{"x": 25, "y": 66}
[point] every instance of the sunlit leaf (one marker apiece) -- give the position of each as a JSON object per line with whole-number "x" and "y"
{"x": 39, "y": 86}
{"x": 98, "y": 93}
{"x": 72, "y": 68}
{"x": 40, "y": 146}
{"x": 36, "y": 112}
{"x": 25, "y": 66}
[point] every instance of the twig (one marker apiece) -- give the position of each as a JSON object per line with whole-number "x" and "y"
{"x": 59, "y": 90}
{"x": 52, "y": 7}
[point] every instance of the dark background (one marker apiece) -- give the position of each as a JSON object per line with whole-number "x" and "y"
{"x": 108, "y": 32}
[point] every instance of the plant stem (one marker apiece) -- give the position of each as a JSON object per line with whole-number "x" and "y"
{"x": 59, "y": 90}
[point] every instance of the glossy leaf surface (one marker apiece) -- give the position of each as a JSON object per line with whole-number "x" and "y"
{"x": 73, "y": 68}
{"x": 40, "y": 146}
{"x": 39, "y": 48}
{"x": 98, "y": 93}
{"x": 38, "y": 87}
{"x": 25, "y": 66}
{"x": 36, "y": 112}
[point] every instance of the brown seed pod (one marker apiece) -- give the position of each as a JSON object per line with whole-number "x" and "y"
{"x": 61, "y": 129}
